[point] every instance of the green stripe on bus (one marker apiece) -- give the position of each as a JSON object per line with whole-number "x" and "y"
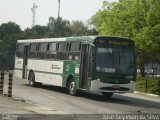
{"x": 43, "y": 72}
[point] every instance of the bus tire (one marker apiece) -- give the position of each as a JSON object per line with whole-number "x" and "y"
{"x": 32, "y": 79}
{"x": 107, "y": 95}
{"x": 72, "y": 87}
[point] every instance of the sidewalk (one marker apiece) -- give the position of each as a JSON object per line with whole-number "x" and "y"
{"x": 147, "y": 94}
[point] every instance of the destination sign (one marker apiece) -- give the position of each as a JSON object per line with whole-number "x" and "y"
{"x": 120, "y": 42}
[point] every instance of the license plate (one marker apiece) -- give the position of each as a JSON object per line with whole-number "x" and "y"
{"x": 115, "y": 86}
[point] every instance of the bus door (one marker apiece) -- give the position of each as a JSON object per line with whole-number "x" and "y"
{"x": 25, "y": 61}
{"x": 85, "y": 67}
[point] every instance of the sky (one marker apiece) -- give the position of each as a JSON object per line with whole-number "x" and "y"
{"x": 19, "y": 11}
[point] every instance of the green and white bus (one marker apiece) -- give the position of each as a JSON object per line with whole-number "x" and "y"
{"x": 90, "y": 63}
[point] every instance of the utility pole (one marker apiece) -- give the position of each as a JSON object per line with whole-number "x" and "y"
{"x": 58, "y": 8}
{"x": 33, "y": 9}
{"x": 58, "y": 20}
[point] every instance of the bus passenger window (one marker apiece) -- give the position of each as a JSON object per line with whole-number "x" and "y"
{"x": 42, "y": 50}
{"x": 20, "y": 50}
{"x": 52, "y": 47}
{"x": 33, "y": 51}
{"x": 75, "y": 46}
{"x": 74, "y": 52}
{"x": 62, "y": 47}
{"x": 51, "y": 53}
{"x": 43, "y": 47}
{"x": 62, "y": 53}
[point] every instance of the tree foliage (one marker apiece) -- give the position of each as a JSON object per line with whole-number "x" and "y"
{"x": 59, "y": 27}
{"x": 135, "y": 19}
{"x": 8, "y": 34}
{"x": 36, "y": 32}
{"x": 78, "y": 28}
{"x": 9, "y": 28}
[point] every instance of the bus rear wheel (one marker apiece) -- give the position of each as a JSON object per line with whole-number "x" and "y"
{"x": 72, "y": 87}
{"x": 107, "y": 95}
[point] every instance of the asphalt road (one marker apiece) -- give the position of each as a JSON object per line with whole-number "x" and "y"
{"x": 57, "y": 99}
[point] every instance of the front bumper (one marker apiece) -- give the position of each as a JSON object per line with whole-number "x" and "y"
{"x": 98, "y": 86}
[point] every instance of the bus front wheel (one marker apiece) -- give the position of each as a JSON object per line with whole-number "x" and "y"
{"x": 107, "y": 95}
{"x": 72, "y": 87}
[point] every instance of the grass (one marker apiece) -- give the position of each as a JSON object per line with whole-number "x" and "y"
{"x": 152, "y": 84}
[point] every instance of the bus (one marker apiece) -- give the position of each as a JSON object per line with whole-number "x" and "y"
{"x": 102, "y": 64}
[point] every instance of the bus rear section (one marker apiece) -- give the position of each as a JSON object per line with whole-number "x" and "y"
{"x": 114, "y": 66}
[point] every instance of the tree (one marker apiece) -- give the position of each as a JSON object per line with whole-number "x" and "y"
{"x": 8, "y": 33}
{"x": 135, "y": 19}
{"x": 51, "y": 25}
{"x": 78, "y": 28}
{"x": 36, "y": 32}
{"x": 59, "y": 27}
{"x": 9, "y": 28}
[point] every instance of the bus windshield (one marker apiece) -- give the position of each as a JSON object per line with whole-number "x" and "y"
{"x": 115, "y": 60}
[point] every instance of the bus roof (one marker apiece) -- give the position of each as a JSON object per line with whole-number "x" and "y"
{"x": 80, "y": 38}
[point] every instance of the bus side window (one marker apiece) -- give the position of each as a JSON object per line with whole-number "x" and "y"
{"x": 41, "y": 50}
{"x": 74, "y": 52}
{"x": 20, "y": 50}
{"x": 33, "y": 50}
{"x": 51, "y": 53}
{"x": 62, "y": 53}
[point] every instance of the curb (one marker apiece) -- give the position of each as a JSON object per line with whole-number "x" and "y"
{"x": 148, "y": 94}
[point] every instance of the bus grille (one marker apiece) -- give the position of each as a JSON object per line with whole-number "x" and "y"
{"x": 115, "y": 89}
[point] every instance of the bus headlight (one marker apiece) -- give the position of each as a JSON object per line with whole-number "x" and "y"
{"x": 98, "y": 79}
{"x": 131, "y": 81}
